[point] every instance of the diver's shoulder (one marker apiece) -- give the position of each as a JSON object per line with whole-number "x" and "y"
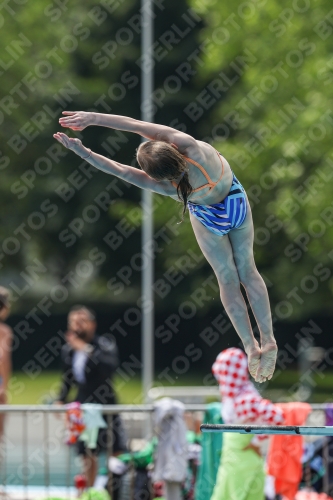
{"x": 206, "y": 150}
{"x": 199, "y": 151}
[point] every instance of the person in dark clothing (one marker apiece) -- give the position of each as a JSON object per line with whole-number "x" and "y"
{"x": 88, "y": 363}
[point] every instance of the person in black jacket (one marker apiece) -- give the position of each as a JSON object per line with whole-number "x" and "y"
{"x": 88, "y": 363}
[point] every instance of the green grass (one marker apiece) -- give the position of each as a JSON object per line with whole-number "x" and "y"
{"x": 25, "y": 390}
{"x": 45, "y": 387}
{"x": 288, "y": 382}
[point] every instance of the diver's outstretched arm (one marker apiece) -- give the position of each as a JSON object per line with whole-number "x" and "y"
{"x": 125, "y": 172}
{"x": 79, "y": 120}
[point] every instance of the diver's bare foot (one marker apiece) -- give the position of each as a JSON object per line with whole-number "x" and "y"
{"x": 267, "y": 362}
{"x": 253, "y": 358}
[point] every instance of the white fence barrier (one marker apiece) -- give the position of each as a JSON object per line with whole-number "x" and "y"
{"x": 37, "y": 464}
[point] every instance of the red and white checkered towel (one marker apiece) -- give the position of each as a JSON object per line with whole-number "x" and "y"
{"x": 241, "y": 402}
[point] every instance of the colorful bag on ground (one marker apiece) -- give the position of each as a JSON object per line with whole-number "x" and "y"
{"x": 140, "y": 459}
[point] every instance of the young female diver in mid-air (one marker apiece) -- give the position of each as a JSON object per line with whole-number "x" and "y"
{"x": 177, "y": 165}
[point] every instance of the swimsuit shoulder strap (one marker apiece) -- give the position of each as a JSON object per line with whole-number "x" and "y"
{"x": 210, "y": 184}
{"x": 202, "y": 170}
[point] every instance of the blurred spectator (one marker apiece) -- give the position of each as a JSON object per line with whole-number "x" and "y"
{"x": 6, "y": 337}
{"x": 88, "y": 363}
{"x": 241, "y": 471}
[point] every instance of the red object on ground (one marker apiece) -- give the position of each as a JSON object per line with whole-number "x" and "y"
{"x": 158, "y": 488}
{"x": 285, "y": 452}
{"x": 80, "y": 482}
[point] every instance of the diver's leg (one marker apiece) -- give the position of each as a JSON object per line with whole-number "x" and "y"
{"x": 219, "y": 253}
{"x": 241, "y": 240}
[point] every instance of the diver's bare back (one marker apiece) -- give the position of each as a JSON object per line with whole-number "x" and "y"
{"x": 204, "y": 154}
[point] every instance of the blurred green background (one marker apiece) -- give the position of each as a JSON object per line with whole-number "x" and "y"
{"x": 45, "y": 388}
{"x": 254, "y": 79}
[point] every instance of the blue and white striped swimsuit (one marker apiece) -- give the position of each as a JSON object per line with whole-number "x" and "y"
{"x": 222, "y": 217}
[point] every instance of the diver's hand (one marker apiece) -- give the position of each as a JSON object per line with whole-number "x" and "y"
{"x": 74, "y": 145}
{"x": 76, "y": 120}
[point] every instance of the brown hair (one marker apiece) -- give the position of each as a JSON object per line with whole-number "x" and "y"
{"x": 161, "y": 161}
{"x": 78, "y": 307}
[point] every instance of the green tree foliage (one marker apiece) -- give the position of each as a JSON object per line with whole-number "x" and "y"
{"x": 58, "y": 219}
{"x": 252, "y": 78}
{"x": 267, "y": 77}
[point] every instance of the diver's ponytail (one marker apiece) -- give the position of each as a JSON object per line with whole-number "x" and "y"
{"x": 184, "y": 190}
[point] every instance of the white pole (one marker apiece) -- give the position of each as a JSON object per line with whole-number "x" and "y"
{"x": 147, "y": 332}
